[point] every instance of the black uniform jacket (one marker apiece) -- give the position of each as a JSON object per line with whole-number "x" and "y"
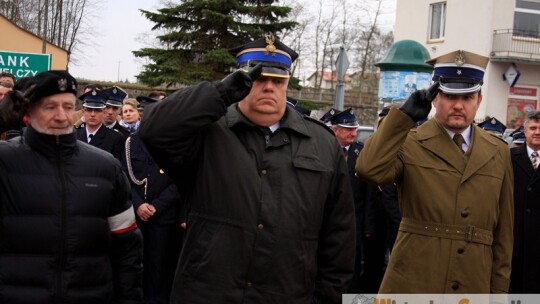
{"x": 161, "y": 192}
{"x": 526, "y": 258}
{"x": 105, "y": 139}
{"x": 269, "y": 223}
{"x": 65, "y": 229}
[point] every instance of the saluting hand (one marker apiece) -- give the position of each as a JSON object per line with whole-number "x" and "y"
{"x": 237, "y": 85}
{"x": 146, "y": 211}
{"x": 418, "y": 104}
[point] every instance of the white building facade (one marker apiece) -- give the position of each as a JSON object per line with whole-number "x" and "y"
{"x": 506, "y": 31}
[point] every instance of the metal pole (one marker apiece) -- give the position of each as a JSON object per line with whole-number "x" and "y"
{"x": 45, "y": 18}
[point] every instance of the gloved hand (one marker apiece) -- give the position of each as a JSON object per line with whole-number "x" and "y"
{"x": 236, "y": 86}
{"x": 14, "y": 106}
{"x": 418, "y": 104}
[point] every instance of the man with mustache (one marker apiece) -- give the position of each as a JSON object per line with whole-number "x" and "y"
{"x": 455, "y": 185}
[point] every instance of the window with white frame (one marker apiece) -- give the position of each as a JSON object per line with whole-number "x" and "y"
{"x": 527, "y": 18}
{"x": 437, "y": 20}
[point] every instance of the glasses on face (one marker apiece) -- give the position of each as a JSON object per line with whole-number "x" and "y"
{"x": 93, "y": 110}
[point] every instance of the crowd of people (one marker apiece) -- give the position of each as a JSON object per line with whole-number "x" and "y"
{"x": 225, "y": 191}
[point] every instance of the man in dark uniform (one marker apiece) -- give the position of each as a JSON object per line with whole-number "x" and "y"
{"x": 93, "y": 131}
{"x": 525, "y": 260}
{"x": 271, "y": 211}
{"x": 157, "y": 204}
{"x": 344, "y": 125}
{"x": 113, "y": 107}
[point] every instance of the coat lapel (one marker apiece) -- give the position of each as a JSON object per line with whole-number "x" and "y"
{"x": 434, "y": 138}
{"x": 99, "y": 137}
{"x": 483, "y": 148}
{"x": 523, "y": 161}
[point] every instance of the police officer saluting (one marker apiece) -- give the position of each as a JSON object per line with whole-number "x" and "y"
{"x": 455, "y": 184}
{"x": 93, "y": 131}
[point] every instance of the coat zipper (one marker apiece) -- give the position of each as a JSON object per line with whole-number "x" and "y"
{"x": 63, "y": 233}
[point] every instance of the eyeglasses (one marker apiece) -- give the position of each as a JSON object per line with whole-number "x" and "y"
{"x": 93, "y": 110}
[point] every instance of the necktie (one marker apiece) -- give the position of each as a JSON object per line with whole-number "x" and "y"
{"x": 458, "y": 139}
{"x": 90, "y": 137}
{"x": 345, "y": 153}
{"x": 534, "y": 161}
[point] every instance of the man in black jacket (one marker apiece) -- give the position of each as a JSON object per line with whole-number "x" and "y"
{"x": 525, "y": 160}
{"x": 344, "y": 124}
{"x": 271, "y": 213}
{"x": 68, "y": 231}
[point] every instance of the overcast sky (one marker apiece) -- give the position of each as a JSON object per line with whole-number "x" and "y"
{"x": 118, "y": 26}
{"x": 118, "y": 29}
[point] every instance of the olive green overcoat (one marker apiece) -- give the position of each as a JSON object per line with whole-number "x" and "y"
{"x": 456, "y": 232}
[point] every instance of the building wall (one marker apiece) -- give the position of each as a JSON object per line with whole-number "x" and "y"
{"x": 470, "y": 25}
{"x": 15, "y": 39}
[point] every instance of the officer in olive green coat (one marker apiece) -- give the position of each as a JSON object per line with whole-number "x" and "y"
{"x": 455, "y": 196}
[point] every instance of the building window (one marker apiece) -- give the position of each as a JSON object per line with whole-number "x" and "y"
{"x": 527, "y": 18}
{"x": 437, "y": 20}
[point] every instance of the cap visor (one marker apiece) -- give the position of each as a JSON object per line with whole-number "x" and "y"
{"x": 459, "y": 88}
{"x": 114, "y": 103}
{"x": 349, "y": 125}
{"x": 93, "y": 105}
{"x": 270, "y": 72}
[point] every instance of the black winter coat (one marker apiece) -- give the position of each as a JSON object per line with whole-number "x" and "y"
{"x": 270, "y": 222}
{"x": 526, "y": 257}
{"x": 67, "y": 232}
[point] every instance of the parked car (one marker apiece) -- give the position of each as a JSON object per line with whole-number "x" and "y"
{"x": 363, "y": 132}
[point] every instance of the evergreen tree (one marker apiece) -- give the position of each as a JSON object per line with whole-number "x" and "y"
{"x": 197, "y": 34}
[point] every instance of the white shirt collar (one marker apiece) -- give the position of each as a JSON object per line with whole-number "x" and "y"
{"x": 274, "y": 127}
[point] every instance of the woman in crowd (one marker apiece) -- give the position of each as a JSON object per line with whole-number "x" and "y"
{"x": 130, "y": 115}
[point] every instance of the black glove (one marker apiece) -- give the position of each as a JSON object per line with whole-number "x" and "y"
{"x": 14, "y": 106}
{"x": 418, "y": 104}
{"x": 236, "y": 86}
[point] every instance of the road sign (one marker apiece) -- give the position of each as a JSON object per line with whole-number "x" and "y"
{"x": 24, "y": 64}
